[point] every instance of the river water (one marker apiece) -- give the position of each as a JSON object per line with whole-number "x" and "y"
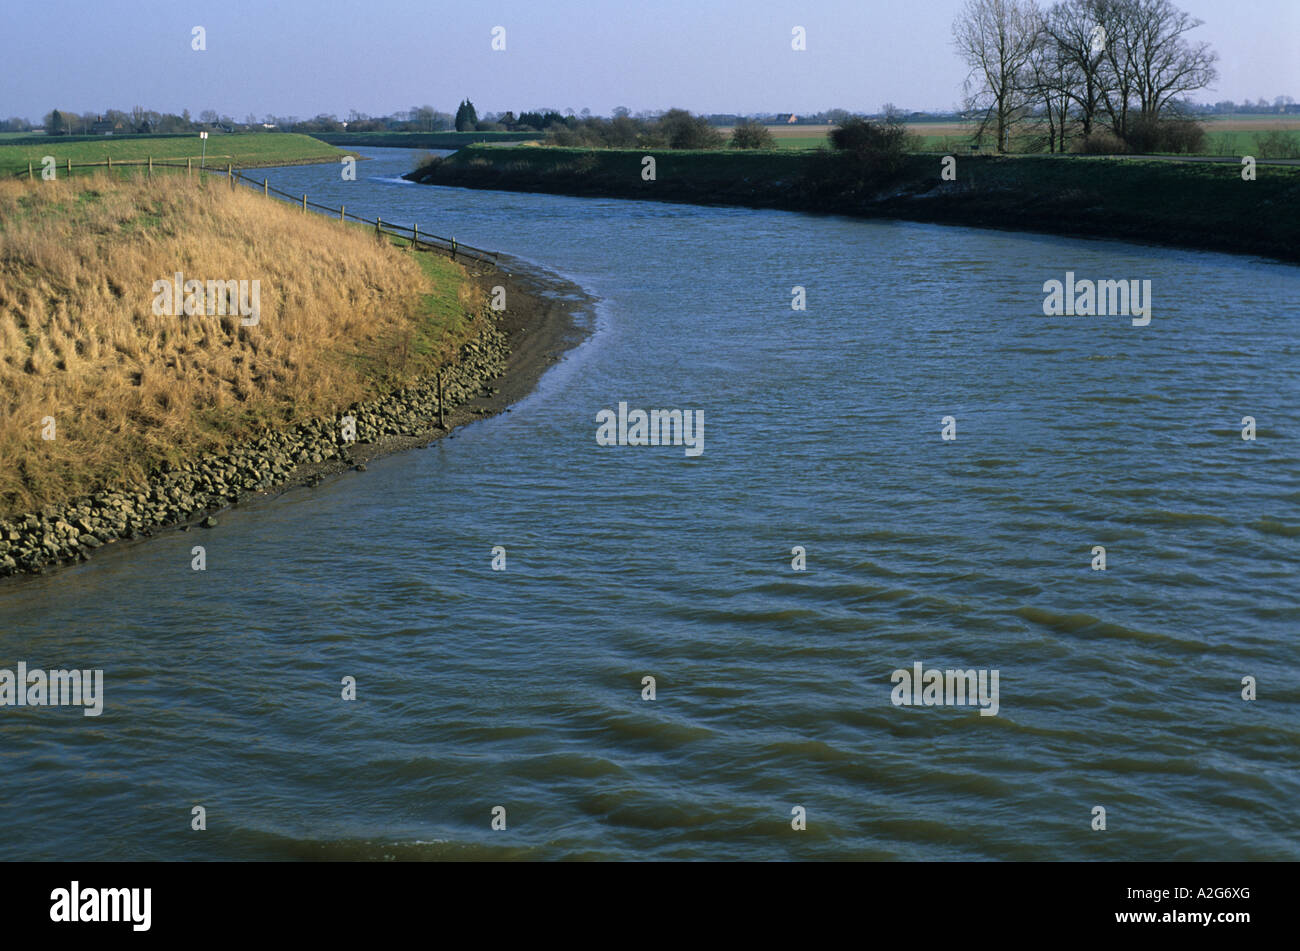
{"x": 522, "y": 688}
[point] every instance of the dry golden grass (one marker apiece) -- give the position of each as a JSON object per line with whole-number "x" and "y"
{"x": 343, "y": 315}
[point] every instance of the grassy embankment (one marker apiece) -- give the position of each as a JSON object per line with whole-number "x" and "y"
{"x": 423, "y": 140}
{"x": 344, "y": 317}
{"x": 242, "y": 151}
{"x": 1196, "y": 205}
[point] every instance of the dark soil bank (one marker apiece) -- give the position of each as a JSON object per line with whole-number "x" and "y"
{"x": 497, "y": 368}
{"x": 1200, "y": 205}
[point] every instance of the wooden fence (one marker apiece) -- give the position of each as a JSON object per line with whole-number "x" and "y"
{"x": 417, "y": 238}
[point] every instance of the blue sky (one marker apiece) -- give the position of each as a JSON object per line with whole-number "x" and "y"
{"x": 295, "y": 57}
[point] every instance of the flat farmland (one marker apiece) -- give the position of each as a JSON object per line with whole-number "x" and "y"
{"x": 1267, "y": 136}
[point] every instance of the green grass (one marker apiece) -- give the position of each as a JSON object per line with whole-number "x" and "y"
{"x": 440, "y": 327}
{"x": 1218, "y": 141}
{"x": 801, "y": 141}
{"x": 438, "y": 330}
{"x": 243, "y": 151}
{"x": 1242, "y": 142}
{"x": 442, "y": 316}
{"x": 423, "y": 140}
{"x": 928, "y": 142}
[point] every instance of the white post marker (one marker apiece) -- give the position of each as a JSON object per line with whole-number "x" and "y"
{"x": 204, "y": 156}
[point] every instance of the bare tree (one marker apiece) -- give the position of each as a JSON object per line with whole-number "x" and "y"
{"x": 1147, "y": 61}
{"x": 1166, "y": 65}
{"x": 1120, "y": 23}
{"x": 423, "y": 116}
{"x": 996, "y": 39}
{"x": 1080, "y": 39}
{"x": 1054, "y": 77}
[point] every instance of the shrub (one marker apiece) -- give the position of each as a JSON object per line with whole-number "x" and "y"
{"x": 681, "y": 130}
{"x": 1277, "y": 143}
{"x": 569, "y": 139}
{"x": 676, "y": 129}
{"x": 857, "y": 135}
{"x": 1101, "y": 142}
{"x": 752, "y": 135}
{"x": 428, "y": 162}
{"x": 877, "y": 147}
{"x": 1184, "y": 136}
{"x": 1166, "y": 135}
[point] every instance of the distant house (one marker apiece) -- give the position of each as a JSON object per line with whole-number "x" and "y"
{"x": 102, "y": 126}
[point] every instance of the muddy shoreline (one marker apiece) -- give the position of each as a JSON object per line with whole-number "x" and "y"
{"x": 545, "y": 317}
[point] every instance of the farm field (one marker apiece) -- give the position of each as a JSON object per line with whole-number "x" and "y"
{"x": 242, "y": 151}
{"x": 1226, "y": 135}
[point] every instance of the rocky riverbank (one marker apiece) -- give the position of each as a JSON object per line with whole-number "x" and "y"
{"x": 498, "y": 366}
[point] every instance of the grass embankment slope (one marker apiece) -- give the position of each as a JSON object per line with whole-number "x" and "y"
{"x": 343, "y": 316}
{"x": 1197, "y": 205}
{"x": 242, "y": 151}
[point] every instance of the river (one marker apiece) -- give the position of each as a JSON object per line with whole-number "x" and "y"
{"x": 523, "y": 688}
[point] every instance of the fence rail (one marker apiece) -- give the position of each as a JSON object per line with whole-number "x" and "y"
{"x": 412, "y": 233}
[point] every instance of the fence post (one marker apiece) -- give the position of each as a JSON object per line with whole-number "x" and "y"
{"x": 378, "y": 222}
{"x": 341, "y": 207}
{"x": 151, "y": 166}
{"x": 110, "y": 163}
{"x": 415, "y": 236}
{"x": 29, "y": 171}
{"x": 69, "y": 168}
{"x": 442, "y": 422}
{"x": 189, "y": 164}
{"x": 266, "y": 189}
{"x": 230, "y": 173}
{"x": 304, "y": 203}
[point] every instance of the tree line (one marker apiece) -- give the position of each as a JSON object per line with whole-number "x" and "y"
{"x": 118, "y": 122}
{"x": 1113, "y": 74}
